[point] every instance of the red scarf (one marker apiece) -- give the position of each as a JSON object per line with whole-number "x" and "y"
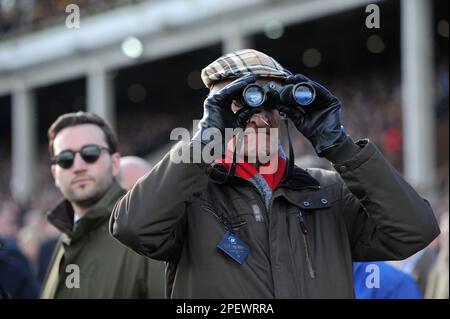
{"x": 247, "y": 171}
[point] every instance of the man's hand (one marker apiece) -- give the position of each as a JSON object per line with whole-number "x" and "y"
{"x": 320, "y": 123}
{"x": 217, "y": 111}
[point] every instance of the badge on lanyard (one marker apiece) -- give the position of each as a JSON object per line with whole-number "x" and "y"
{"x": 234, "y": 247}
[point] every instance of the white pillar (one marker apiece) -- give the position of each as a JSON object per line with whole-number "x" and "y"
{"x": 100, "y": 97}
{"x": 417, "y": 92}
{"x": 233, "y": 39}
{"x": 24, "y": 141}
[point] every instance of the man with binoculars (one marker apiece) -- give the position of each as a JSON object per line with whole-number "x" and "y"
{"x": 228, "y": 230}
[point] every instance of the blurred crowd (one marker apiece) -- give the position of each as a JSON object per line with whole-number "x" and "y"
{"x": 135, "y": 139}
{"x": 372, "y": 108}
{"x": 18, "y": 16}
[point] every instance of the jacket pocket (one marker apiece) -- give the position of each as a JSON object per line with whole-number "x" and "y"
{"x": 228, "y": 221}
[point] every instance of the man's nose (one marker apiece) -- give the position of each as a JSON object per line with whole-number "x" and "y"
{"x": 260, "y": 119}
{"x": 79, "y": 163}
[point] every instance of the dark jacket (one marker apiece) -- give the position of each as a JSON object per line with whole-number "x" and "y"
{"x": 317, "y": 223}
{"x": 16, "y": 277}
{"x": 107, "y": 268}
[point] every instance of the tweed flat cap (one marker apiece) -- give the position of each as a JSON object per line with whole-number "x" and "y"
{"x": 240, "y": 63}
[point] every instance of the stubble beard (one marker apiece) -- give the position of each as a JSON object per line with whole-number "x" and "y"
{"x": 88, "y": 195}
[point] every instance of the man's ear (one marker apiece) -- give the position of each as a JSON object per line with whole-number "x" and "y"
{"x": 115, "y": 162}
{"x": 53, "y": 170}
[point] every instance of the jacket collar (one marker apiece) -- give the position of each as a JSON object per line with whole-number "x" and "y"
{"x": 297, "y": 179}
{"x": 62, "y": 215}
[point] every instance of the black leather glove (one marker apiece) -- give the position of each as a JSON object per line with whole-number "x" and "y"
{"x": 217, "y": 112}
{"x": 320, "y": 123}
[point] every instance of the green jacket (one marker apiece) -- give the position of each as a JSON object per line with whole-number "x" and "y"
{"x": 107, "y": 269}
{"x": 301, "y": 246}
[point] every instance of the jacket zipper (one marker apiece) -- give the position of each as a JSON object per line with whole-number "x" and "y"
{"x": 309, "y": 263}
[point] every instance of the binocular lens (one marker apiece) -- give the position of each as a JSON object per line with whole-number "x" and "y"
{"x": 254, "y": 96}
{"x": 303, "y": 93}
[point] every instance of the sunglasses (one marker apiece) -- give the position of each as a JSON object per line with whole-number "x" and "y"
{"x": 89, "y": 154}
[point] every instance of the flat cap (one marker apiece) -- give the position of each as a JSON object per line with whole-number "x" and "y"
{"x": 240, "y": 63}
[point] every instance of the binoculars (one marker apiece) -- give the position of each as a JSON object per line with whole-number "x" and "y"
{"x": 256, "y": 95}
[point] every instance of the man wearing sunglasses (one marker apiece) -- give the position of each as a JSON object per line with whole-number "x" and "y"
{"x": 88, "y": 262}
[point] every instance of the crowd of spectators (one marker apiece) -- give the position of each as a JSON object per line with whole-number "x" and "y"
{"x": 19, "y": 16}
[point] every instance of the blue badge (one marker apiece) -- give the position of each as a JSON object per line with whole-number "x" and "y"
{"x": 234, "y": 247}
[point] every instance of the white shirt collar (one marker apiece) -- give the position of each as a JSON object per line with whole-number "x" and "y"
{"x": 76, "y": 218}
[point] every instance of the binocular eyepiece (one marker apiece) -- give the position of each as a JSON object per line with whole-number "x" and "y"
{"x": 256, "y": 95}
